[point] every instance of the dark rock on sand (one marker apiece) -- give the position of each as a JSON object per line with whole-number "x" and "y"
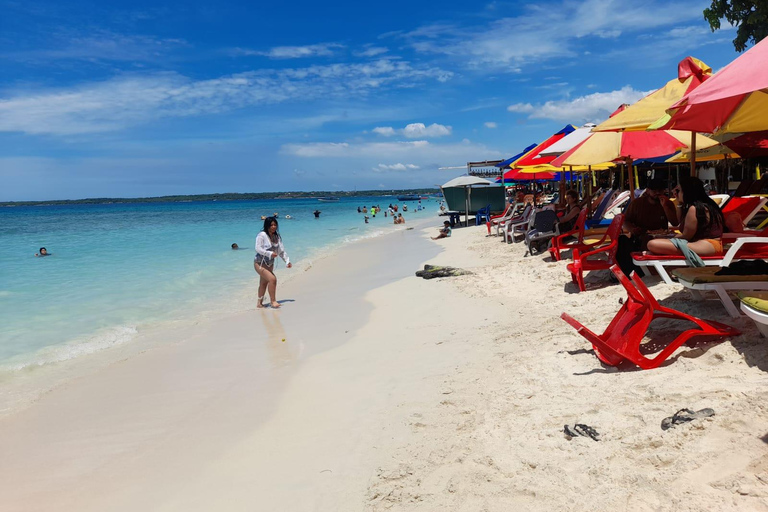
{"x": 432, "y": 271}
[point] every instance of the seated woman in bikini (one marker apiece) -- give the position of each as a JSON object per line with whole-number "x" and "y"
{"x": 701, "y": 221}
{"x": 572, "y": 211}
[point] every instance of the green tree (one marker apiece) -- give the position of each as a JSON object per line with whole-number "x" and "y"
{"x": 749, "y": 16}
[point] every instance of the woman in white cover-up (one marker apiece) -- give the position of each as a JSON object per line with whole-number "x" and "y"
{"x": 269, "y": 246}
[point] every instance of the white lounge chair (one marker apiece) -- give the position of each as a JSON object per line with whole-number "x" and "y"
{"x": 755, "y": 306}
{"x": 704, "y": 279}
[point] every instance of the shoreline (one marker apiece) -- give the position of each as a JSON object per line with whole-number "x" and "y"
{"x": 25, "y": 378}
{"x": 129, "y": 407}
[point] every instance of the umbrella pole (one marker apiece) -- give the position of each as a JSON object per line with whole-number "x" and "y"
{"x": 561, "y": 201}
{"x": 693, "y": 154}
{"x": 631, "y": 179}
{"x": 466, "y": 206}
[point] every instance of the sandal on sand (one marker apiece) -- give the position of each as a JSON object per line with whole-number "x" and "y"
{"x": 684, "y": 416}
{"x": 581, "y": 430}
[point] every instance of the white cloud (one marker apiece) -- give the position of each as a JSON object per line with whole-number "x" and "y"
{"x": 406, "y": 160}
{"x": 395, "y": 167}
{"x": 293, "y": 52}
{"x": 415, "y": 131}
{"x": 386, "y": 131}
{"x": 593, "y": 107}
{"x": 490, "y": 124}
{"x": 344, "y": 149}
{"x": 522, "y": 108}
{"x": 543, "y": 31}
{"x": 372, "y": 51}
{"x": 131, "y": 100}
{"x": 101, "y": 45}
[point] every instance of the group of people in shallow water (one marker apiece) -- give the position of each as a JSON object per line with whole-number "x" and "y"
{"x": 391, "y": 211}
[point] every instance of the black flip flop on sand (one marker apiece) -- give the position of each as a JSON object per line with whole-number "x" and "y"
{"x": 684, "y": 416}
{"x": 581, "y": 430}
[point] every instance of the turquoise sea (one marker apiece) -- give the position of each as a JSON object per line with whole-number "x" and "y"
{"x": 116, "y": 269}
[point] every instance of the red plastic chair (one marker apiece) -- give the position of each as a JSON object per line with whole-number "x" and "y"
{"x": 623, "y": 337}
{"x": 559, "y": 244}
{"x": 585, "y": 261}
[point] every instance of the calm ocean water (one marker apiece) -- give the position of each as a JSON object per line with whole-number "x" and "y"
{"x": 118, "y": 268}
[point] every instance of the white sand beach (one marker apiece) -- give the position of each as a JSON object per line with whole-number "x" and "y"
{"x": 376, "y": 390}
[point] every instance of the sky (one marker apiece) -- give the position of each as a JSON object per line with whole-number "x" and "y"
{"x": 136, "y": 99}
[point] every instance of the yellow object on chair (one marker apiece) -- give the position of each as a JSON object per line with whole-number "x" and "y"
{"x": 755, "y": 306}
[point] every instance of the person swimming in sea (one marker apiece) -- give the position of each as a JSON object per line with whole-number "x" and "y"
{"x": 235, "y": 247}
{"x": 317, "y": 213}
{"x": 43, "y": 252}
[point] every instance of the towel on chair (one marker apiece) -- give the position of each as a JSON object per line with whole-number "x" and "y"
{"x": 691, "y": 258}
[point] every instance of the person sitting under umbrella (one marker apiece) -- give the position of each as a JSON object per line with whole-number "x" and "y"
{"x": 572, "y": 210}
{"x": 652, "y": 211}
{"x": 701, "y": 222}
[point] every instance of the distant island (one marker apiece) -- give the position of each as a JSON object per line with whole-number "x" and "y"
{"x": 223, "y": 197}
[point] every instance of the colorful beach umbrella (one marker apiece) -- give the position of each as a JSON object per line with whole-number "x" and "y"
{"x": 747, "y": 145}
{"x": 569, "y": 141}
{"x": 691, "y": 73}
{"x": 509, "y": 161}
{"x": 734, "y": 100}
{"x": 750, "y": 145}
{"x": 534, "y": 158}
{"x": 719, "y": 152}
{"x": 521, "y": 175}
{"x": 631, "y": 145}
